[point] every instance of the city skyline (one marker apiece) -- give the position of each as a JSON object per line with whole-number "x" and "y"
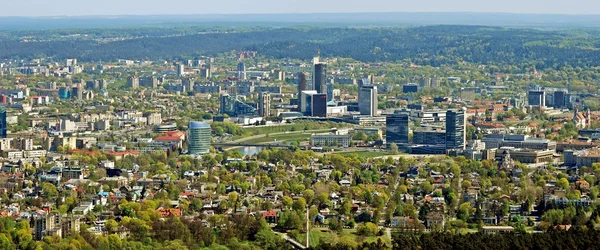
{"x": 185, "y": 7}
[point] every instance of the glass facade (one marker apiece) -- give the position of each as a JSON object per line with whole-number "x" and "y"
{"x": 3, "y": 123}
{"x": 455, "y": 129}
{"x": 231, "y": 106}
{"x": 396, "y": 127}
{"x": 198, "y": 138}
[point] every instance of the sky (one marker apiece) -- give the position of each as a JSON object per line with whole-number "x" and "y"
{"x": 156, "y": 7}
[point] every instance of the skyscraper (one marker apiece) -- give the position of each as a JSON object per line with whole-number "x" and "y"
{"x": 3, "y": 124}
{"x": 264, "y": 104}
{"x": 241, "y": 70}
{"x": 301, "y": 83}
{"x": 320, "y": 77}
{"x": 133, "y": 82}
{"x": 367, "y": 102}
{"x": 313, "y": 103}
{"x": 396, "y": 128}
{"x": 198, "y": 138}
{"x": 180, "y": 69}
{"x": 456, "y": 129}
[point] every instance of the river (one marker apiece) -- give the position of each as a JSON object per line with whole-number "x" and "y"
{"x": 250, "y": 150}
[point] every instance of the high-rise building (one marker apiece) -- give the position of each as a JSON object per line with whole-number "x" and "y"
{"x": 151, "y": 82}
{"x": 77, "y": 90}
{"x": 198, "y": 138}
{"x": 301, "y": 83}
{"x": 456, "y": 129}
{"x": 264, "y": 104}
{"x": 180, "y": 69}
{"x": 241, "y": 70}
{"x": 367, "y": 102}
{"x": 320, "y": 77}
{"x": 3, "y": 124}
{"x": 536, "y": 98}
{"x": 133, "y": 82}
{"x": 330, "y": 92}
{"x": 313, "y": 103}
{"x": 396, "y": 128}
{"x": 188, "y": 83}
{"x": 559, "y": 98}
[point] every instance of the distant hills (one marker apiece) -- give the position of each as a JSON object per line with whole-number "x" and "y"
{"x": 321, "y": 19}
{"x": 425, "y": 45}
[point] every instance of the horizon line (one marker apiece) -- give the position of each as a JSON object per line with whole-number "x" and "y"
{"x": 306, "y": 13}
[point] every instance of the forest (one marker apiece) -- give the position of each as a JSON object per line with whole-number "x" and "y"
{"x": 425, "y": 45}
{"x": 573, "y": 239}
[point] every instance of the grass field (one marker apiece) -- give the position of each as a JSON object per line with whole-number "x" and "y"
{"x": 281, "y": 137}
{"x": 324, "y": 235}
{"x": 367, "y": 154}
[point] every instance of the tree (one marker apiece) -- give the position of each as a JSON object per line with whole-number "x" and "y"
{"x": 267, "y": 239}
{"x": 49, "y": 190}
{"x": 367, "y": 229}
{"x": 394, "y": 148}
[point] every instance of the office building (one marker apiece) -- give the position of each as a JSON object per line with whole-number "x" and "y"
{"x": 320, "y": 77}
{"x": 423, "y": 136}
{"x": 536, "y": 98}
{"x": 410, "y": 88}
{"x": 150, "y": 82}
{"x": 133, "y": 82}
{"x": 188, "y": 83}
{"x": 264, "y": 104}
{"x": 198, "y": 138}
{"x": 241, "y": 70}
{"x": 301, "y": 83}
{"x": 367, "y": 103}
{"x": 331, "y": 140}
{"x": 3, "y": 124}
{"x": 313, "y": 103}
{"x": 180, "y": 69}
{"x": 456, "y": 129}
{"x": 231, "y": 106}
{"x": 329, "y": 92}
{"x": 77, "y": 91}
{"x": 493, "y": 141}
{"x": 559, "y": 99}
{"x": 396, "y": 128}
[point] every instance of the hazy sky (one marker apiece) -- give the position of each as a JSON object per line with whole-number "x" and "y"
{"x": 145, "y": 7}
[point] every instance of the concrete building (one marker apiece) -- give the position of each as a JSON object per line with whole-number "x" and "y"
{"x": 264, "y": 104}
{"x": 335, "y": 139}
{"x": 133, "y": 82}
{"x": 517, "y": 141}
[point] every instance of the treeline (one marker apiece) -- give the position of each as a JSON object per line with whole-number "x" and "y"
{"x": 572, "y": 239}
{"x": 430, "y": 45}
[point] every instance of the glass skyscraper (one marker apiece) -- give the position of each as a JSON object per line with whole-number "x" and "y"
{"x": 3, "y": 123}
{"x": 198, "y": 138}
{"x": 455, "y": 129}
{"x": 396, "y": 128}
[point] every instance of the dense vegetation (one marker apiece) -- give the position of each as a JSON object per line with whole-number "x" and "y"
{"x": 573, "y": 239}
{"x": 429, "y": 45}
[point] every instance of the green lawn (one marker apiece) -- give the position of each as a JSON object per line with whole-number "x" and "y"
{"x": 324, "y": 235}
{"x": 367, "y": 154}
{"x": 282, "y": 137}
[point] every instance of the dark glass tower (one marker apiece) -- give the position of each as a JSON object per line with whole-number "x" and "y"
{"x": 320, "y": 78}
{"x": 396, "y": 127}
{"x": 455, "y": 129}
{"x": 3, "y": 123}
